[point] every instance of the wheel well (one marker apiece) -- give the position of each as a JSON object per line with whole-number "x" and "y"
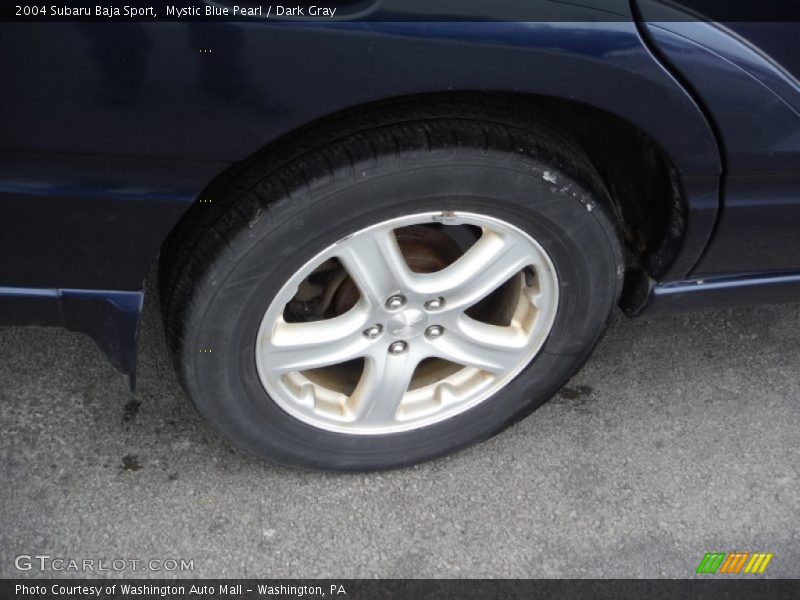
{"x": 640, "y": 180}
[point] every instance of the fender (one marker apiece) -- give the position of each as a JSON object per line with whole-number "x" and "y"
{"x": 151, "y": 118}
{"x": 755, "y": 104}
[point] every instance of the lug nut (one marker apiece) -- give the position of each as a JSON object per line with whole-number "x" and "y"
{"x": 398, "y": 347}
{"x": 395, "y": 302}
{"x": 434, "y": 304}
{"x": 434, "y": 331}
{"x": 373, "y": 331}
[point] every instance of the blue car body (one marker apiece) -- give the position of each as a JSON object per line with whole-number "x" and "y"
{"x": 111, "y": 132}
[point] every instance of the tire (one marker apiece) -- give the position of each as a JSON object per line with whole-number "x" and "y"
{"x": 219, "y": 285}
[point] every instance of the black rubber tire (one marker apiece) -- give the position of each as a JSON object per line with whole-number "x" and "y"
{"x": 218, "y": 285}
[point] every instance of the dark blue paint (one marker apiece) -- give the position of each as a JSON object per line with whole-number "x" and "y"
{"x": 265, "y": 80}
{"x": 107, "y": 141}
{"x": 754, "y": 104}
{"x": 74, "y": 221}
{"x": 110, "y": 318}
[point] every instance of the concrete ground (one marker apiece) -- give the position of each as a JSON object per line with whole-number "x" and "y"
{"x": 681, "y": 436}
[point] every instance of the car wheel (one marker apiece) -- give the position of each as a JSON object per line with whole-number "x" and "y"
{"x": 396, "y": 294}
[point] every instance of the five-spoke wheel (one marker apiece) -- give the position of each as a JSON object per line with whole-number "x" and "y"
{"x": 410, "y": 351}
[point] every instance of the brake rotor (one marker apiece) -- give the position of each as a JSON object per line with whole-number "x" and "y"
{"x": 426, "y": 250}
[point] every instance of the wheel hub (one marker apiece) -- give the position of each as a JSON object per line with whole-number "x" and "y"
{"x": 407, "y": 324}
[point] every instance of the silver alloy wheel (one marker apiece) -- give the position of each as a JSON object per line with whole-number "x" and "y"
{"x": 403, "y": 323}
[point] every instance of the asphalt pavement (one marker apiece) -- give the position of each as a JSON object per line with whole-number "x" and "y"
{"x": 680, "y": 436}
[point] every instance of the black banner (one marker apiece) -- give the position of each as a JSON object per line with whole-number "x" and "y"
{"x": 394, "y": 10}
{"x": 359, "y": 589}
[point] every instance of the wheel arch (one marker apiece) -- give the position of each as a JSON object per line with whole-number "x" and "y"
{"x": 639, "y": 178}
